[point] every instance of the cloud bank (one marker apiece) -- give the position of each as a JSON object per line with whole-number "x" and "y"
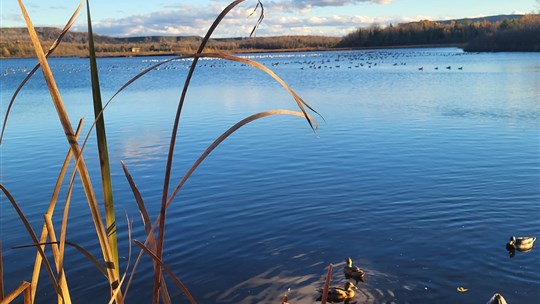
{"x": 281, "y": 18}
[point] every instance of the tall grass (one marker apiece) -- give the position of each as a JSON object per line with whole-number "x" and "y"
{"x": 153, "y": 245}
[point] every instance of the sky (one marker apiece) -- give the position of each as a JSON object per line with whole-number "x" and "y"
{"x": 123, "y": 18}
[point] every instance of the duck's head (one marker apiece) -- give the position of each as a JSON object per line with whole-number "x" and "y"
{"x": 349, "y": 286}
{"x": 348, "y": 261}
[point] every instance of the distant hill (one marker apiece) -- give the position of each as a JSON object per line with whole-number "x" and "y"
{"x": 501, "y": 32}
{"x": 491, "y": 19}
{"x": 15, "y": 42}
{"x": 20, "y": 34}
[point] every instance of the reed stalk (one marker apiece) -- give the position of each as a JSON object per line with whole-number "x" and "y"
{"x": 81, "y": 164}
{"x": 1, "y": 274}
{"x": 106, "y": 232}
{"x": 101, "y": 136}
{"x": 23, "y": 288}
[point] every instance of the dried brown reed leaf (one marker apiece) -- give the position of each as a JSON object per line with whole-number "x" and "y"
{"x": 56, "y": 254}
{"x": 168, "y": 167}
{"x": 53, "y": 47}
{"x": 148, "y": 228}
{"x": 33, "y": 236}
{"x": 226, "y": 134}
{"x": 80, "y": 163}
{"x": 169, "y": 272}
{"x": 82, "y": 250}
{"x": 300, "y": 102}
{"x": 50, "y": 211}
{"x": 24, "y": 287}
{"x": 261, "y": 17}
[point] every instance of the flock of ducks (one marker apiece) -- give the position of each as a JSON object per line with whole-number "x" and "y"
{"x": 345, "y": 294}
{"x": 436, "y": 68}
{"x": 324, "y": 60}
{"x": 337, "y": 294}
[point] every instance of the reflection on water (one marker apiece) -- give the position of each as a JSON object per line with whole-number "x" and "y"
{"x": 419, "y": 175}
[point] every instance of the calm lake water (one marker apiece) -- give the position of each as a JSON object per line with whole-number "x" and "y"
{"x": 420, "y": 176}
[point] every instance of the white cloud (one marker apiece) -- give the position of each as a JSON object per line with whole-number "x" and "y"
{"x": 195, "y": 20}
{"x": 305, "y": 6}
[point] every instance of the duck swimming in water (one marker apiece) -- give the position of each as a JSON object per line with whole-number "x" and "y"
{"x": 339, "y": 294}
{"x": 353, "y": 272}
{"x": 497, "y": 299}
{"x": 521, "y": 243}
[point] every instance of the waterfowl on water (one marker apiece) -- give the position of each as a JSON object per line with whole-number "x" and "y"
{"x": 522, "y": 243}
{"x": 338, "y": 294}
{"x": 497, "y": 299}
{"x": 353, "y": 272}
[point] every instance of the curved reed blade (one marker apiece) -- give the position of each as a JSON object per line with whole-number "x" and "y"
{"x": 53, "y": 47}
{"x": 142, "y": 73}
{"x": 168, "y": 167}
{"x": 147, "y": 226}
{"x": 103, "y": 151}
{"x": 261, "y": 17}
{"x": 33, "y": 236}
{"x": 84, "y": 252}
{"x": 90, "y": 257}
{"x": 138, "y": 198}
{"x": 198, "y": 162}
{"x": 226, "y": 134}
{"x": 299, "y": 101}
{"x": 50, "y": 211}
{"x": 81, "y": 164}
{"x": 169, "y": 272}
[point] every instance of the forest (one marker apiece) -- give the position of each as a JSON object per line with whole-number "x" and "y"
{"x": 513, "y": 33}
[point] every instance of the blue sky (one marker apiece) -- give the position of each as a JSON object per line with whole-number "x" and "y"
{"x": 282, "y": 17}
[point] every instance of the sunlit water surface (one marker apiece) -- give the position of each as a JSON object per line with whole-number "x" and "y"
{"x": 420, "y": 176}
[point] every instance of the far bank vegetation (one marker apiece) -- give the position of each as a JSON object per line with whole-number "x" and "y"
{"x": 15, "y": 42}
{"x": 497, "y": 33}
{"x": 510, "y": 34}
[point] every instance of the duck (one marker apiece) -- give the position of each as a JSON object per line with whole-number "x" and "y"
{"x": 339, "y": 294}
{"x": 523, "y": 243}
{"x": 497, "y": 299}
{"x": 353, "y": 272}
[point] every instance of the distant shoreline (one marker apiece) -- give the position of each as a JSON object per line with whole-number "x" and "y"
{"x": 257, "y": 51}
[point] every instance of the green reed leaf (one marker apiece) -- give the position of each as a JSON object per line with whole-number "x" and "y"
{"x": 80, "y": 163}
{"x": 101, "y": 136}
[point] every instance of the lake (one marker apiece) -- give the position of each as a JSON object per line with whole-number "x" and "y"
{"x": 425, "y": 163}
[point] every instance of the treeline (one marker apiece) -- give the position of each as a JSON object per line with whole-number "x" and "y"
{"x": 495, "y": 33}
{"x": 513, "y": 34}
{"x": 15, "y": 42}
